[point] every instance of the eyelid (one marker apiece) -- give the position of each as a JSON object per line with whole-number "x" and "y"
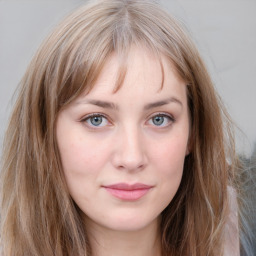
{"x": 164, "y": 114}
{"x": 92, "y": 115}
{"x": 86, "y": 117}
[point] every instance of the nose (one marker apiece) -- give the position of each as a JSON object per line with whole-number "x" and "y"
{"x": 130, "y": 151}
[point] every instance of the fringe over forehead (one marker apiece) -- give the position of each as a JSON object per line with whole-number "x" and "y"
{"x": 77, "y": 50}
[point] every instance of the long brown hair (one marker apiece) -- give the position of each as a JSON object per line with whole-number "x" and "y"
{"x": 38, "y": 216}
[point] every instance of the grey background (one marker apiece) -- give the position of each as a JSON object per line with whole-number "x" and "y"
{"x": 224, "y": 31}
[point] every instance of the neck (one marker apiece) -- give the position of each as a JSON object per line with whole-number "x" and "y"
{"x": 107, "y": 242}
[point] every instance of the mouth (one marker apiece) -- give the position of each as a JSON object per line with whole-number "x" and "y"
{"x": 128, "y": 192}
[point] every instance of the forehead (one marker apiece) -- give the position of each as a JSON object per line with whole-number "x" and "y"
{"x": 141, "y": 70}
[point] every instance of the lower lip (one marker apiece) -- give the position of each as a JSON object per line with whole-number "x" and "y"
{"x": 128, "y": 195}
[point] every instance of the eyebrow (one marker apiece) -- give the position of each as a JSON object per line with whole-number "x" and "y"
{"x": 110, "y": 105}
{"x": 100, "y": 103}
{"x": 162, "y": 103}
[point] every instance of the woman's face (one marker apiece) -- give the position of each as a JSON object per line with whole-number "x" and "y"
{"x": 123, "y": 152}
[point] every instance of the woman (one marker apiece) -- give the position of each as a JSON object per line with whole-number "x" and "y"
{"x": 118, "y": 143}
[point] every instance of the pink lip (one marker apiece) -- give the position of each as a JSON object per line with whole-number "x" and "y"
{"x": 128, "y": 192}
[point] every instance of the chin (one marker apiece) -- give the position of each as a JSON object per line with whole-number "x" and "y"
{"x": 130, "y": 223}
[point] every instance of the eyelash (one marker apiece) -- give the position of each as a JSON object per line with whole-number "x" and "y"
{"x": 170, "y": 118}
{"x": 88, "y": 117}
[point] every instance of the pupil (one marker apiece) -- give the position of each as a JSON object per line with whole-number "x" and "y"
{"x": 96, "y": 120}
{"x": 158, "y": 120}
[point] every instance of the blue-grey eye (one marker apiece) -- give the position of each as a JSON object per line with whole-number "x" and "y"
{"x": 96, "y": 120}
{"x": 158, "y": 120}
{"x": 161, "y": 120}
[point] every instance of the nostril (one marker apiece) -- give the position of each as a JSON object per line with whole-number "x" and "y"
{"x": 130, "y": 166}
{"x": 127, "y": 162}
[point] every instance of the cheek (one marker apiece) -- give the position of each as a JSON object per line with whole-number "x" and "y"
{"x": 171, "y": 153}
{"x": 77, "y": 154}
{"x": 169, "y": 162}
{"x": 81, "y": 167}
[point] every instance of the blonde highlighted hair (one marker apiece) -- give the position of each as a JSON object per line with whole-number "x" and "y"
{"x": 38, "y": 216}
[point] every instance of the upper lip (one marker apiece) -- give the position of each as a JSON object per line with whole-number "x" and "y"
{"x": 125, "y": 186}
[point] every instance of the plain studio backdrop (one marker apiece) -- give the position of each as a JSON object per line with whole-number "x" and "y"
{"x": 223, "y": 30}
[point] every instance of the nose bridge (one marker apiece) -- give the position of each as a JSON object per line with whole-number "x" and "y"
{"x": 130, "y": 154}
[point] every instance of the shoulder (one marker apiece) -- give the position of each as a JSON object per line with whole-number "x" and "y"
{"x": 231, "y": 246}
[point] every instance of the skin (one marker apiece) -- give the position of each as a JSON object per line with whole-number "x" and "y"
{"x": 136, "y": 141}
